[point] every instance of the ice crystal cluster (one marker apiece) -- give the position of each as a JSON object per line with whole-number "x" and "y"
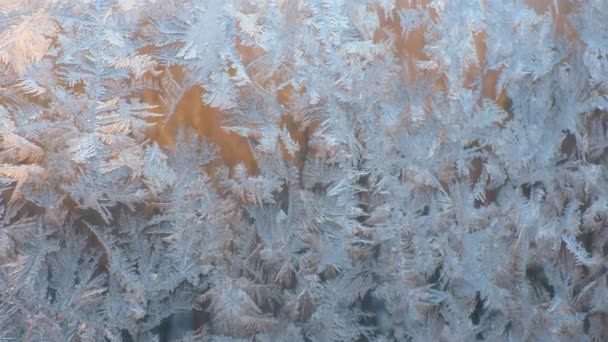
{"x": 409, "y": 170}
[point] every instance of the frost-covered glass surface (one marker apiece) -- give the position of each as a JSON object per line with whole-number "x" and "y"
{"x": 303, "y": 170}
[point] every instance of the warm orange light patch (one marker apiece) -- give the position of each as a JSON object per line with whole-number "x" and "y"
{"x": 207, "y": 122}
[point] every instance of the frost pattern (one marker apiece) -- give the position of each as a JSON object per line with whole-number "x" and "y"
{"x": 414, "y": 170}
